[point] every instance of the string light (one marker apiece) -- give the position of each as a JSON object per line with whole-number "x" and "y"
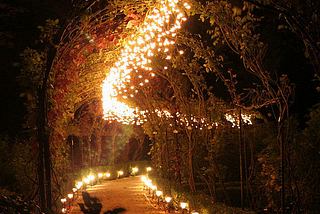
{"x": 234, "y": 119}
{"x": 155, "y": 31}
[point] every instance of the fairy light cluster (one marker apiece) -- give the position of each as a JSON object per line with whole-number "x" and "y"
{"x": 156, "y": 33}
{"x": 190, "y": 121}
{"x": 234, "y": 119}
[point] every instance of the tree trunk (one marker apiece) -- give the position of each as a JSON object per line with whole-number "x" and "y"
{"x": 190, "y": 160}
{"x": 44, "y": 167}
{"x": 99, "y": 149}
{"x": 113, "y": 148}
{"x": 282, "y": 166}
{"x": 240, "y": 159}
{"x": 41, "y": 174}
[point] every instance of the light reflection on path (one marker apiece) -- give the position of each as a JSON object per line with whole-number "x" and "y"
{"x": 122, "y": 193}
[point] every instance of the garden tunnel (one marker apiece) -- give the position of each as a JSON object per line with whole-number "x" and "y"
{"x": 142, "y": 72}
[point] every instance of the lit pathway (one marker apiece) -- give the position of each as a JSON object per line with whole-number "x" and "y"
{"x": 124, "y": 193}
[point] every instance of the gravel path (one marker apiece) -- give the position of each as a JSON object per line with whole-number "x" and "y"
{"x": 124, "y": 193}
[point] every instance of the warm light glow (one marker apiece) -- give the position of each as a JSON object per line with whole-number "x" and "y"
{"x": 70, "y": 195}
{"x": 148, "y": 183}
{"x": 149, "y": 169}
{"x": 195, "y": 212}
{"x": 74, "y": 189}
{"x": 158, "y": 193}
{"x": 234, "y": 119}
{"x": 100, "y": 175}
{"x": 156, "y": 31}
{"x": 108, "y": 175}
{"x": 153, "y": 187}
{"x": 79, "y": 185}
{"x": 135, "y": 169}
{"x": 183, "y": 205}
{"x": 168, "y": 199}
{"x": 64, "y": 210}
{"x": 143, "y": 178}
{"x": 63, "y": 200}
{"x": 91, "y": 177}
{"x": 86, "y": 180}
{"x": 120, "y": 172}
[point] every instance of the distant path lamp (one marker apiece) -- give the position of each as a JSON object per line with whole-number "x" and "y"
{"x": 149, "y": 184}
{"x": 100, "y": 175}
{"x": 144, "y": 179}
{"x": 183, "y": 206}
{"x": 86, "y": 182}
{"x": 74, "y": 190}
{"x": 158, "y": 193}
{"x": 168, "y": 200}
{"x": 78, "y": 186}
{"x": 91, "y": 178}
{"x": 120, "y": 174}
{"x": 194, "y": 212}
{"x": 135, "y": 170}
{"x": 63, "y": 201}
{"x": 70, "y": 196}
{"x": 148, "y": 170}
{"x": 153, "y": 187}
{"x": 108, "y": 175}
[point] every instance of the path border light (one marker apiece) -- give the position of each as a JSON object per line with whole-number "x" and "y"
{"x": 184, "y": 206}
{"x": 63, "y": 200}
{"x": 74, "y": 189}
{"x": 135, "y": 170}
{"x": 153, "y": 187}
{"x": 108, "y": 175}
{"x": 144, "y": 179}
{"x": 158, "y": 193}
{"x": 168, "y": 200}
{"x": 79, "y": 185}
{"x": 70, "y": 196}
{"x": 91, "y": 178}
{"x": 100, "y": 175}
{"x": 120, "y": 174}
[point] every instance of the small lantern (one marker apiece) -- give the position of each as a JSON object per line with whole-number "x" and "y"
{"x": 168, "y": 199}
{"x": 70, "y": 195}
{"x": 183, "y": 205}
{"x": 158, "y": 193}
